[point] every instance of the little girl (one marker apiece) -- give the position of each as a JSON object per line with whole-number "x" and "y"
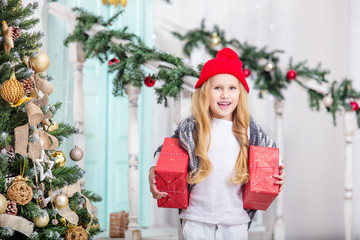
{"x": 217, "y": 137}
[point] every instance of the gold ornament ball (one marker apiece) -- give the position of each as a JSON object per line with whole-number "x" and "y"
{"x": 76, "y": 233}
{"x": 54, "y": 125}
{"x": 41, "y": 221}
{"x": 40, "y": 62}
{"x": 60, "y": 158}
{"x": 62, "y": 221}
{"x": 61, "y": 201}
{"x": 269, "y": 66}
{"x": 76, "y": 154}
{"x": 3, "y": 204}
{"x": 12, "y": 91}
{"x": 215, "y": 39}
{"x": 20, "y": 192}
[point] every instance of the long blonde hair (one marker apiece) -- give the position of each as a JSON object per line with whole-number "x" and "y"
{"x": 200, "y": 109}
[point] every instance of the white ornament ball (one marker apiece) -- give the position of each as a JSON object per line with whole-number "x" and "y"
{"x": 328, "y": 100}
{"x": 76, "y": 154}
{"x": 41, "y": 221}
{"x": 3, "y": 204}
{"x": 61, "y": 201}
{"x": 269, "y": 66}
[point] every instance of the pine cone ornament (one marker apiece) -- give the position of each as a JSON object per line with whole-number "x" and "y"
{"x": 27, "y": 84}
{"x": 15, "y": 32}
{"x": 11, "y": 208}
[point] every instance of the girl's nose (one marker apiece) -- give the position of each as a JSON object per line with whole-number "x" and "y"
{"x": 224, "y": 94}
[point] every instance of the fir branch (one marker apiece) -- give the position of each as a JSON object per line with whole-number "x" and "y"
{"x": 4, "y": 170}
{"x": 54, "y": 108}
{"x": 64, "y": 176}
{"x": 91, "y": 196}
{"x": 65, "y": 130}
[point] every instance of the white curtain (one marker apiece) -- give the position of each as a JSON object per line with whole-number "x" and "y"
{"x": 318, "y": 31}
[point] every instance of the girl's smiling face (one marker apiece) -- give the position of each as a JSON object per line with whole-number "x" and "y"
{"x": 224, "y": 95}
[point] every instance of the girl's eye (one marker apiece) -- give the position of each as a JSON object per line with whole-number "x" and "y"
{"x": 217, "y": 88}
{"x": 232, "y": 88}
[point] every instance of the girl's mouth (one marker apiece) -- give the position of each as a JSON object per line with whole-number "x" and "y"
{"x": 224, "y": 105}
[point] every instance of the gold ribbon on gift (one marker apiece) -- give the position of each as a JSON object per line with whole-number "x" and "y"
{"x": 65, "y": 212}
{"x": 17, "y": 223}
{"x": 33, "y": 149}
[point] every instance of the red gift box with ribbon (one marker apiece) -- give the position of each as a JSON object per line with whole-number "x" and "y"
{"x": 171, "y": 175}
{"x": 261, "y": 190}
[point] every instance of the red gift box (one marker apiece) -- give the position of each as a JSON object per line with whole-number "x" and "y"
{"x": 171, "y": 175}
{"x": 261, "y": 190}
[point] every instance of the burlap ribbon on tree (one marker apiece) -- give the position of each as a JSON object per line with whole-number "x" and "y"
{"x": 66, "y": 212}
{"x": 17, "y": 223}
{"x": 43, "y": 89}
{"x": 33, "y": 149}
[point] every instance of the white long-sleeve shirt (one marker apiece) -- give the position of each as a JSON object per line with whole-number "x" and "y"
{"x": 216, "y": 200}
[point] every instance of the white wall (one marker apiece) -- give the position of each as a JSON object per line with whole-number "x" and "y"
{"x": 318, "y": 31}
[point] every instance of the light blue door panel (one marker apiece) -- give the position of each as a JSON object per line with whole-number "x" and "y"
{"x": 95, "y": 94}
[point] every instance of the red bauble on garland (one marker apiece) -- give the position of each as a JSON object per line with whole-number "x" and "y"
{"x": 246, "y": 72}
{"x": 354, "y": 106}
{"x": 149, "y": 82}
{"x": 114, "y": 60}
{"x": 291, "y": 74}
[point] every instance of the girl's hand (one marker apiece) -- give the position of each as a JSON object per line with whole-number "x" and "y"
{"x": 156, "y": 194}
{"x": 281, "y": 177}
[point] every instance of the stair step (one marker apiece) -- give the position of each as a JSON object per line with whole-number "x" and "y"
{"x": 170, "y": 233}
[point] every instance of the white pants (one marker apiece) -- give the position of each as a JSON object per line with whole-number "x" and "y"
{"x": 194, "y": 230}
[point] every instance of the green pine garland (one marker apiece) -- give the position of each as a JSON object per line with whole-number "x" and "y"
{"x": 132, "y": 54}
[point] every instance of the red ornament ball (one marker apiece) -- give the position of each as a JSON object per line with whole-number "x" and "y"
{"x": 114, "y": 60}
{"x": 246, "y": 72}
{"x": 291, "y": 74}
{"x": 149, "y": 82}
{"x": 354, "y": 106}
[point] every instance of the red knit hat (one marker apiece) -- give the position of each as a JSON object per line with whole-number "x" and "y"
{"x": 226, "y": 61}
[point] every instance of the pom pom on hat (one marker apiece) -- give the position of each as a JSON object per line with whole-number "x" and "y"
{"x": 226, "y": 61}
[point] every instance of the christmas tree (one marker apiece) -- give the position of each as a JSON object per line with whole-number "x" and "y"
{"x": 40, "y": 197}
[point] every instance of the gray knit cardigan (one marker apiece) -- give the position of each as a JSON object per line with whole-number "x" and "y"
{"x": 185, "y": 134}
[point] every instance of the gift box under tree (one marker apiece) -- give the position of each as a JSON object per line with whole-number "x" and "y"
{"x": 171, "y": 175}
{"x": 118, "y": 224}
{"x": 261, "y": 190}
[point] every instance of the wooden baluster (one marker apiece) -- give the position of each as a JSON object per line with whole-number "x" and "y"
{"x": 133, "y": 231}
{"x": 350, "y": 127}
{"x": 279, "y": 226}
